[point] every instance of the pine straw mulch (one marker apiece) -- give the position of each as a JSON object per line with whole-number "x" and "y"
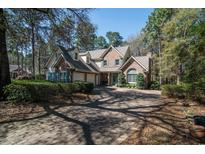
{"x": 10, "y": 112}
{"x": 169, "y": 126}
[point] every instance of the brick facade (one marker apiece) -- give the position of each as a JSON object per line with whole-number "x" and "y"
{"x": 110, "y": 57}
{"x": 134, "y": 65}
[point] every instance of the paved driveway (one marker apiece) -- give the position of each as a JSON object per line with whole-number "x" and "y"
{"x": 108, "y": 116}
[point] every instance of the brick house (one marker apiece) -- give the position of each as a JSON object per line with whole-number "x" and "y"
{"x": 100, "y": 67}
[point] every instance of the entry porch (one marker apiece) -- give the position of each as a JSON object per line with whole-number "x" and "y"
{"x": 109, "y": 78}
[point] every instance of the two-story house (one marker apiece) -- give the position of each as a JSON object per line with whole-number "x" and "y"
{"x": 100, "y": 67}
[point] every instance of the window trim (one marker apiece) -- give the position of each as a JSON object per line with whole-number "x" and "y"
{"x": 104, "y": 63}
{"x": 75, "y": 56}
{"x": 118, "y": 62}
{"x": 132, "y": 74}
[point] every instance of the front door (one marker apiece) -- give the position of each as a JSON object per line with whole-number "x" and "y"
{"x": 114, "y": 78}
{"x": 104, "y": 79}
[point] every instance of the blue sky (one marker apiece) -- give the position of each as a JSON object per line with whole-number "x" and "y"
{"x": 128, "y": 22}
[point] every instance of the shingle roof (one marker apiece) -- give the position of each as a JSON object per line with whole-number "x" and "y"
{"x": 13, "y": 68}
{"x": 76, "y": 64}
{"x": 109, "y": 69}
{"x": 122, "y": 50}
{"x": 95, "y": 54}
{"x": 144, "y": 60}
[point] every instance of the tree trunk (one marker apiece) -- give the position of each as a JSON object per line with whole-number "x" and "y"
{"x": 33, "y": 49}
{"x": 18, "y": 58}
{"x": 22, "y": 60}
{"x": 39, "y": 62}
{"x": 160, "y": 60}
{"x": 4, "y": 61}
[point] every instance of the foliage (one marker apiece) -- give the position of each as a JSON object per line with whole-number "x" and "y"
{"x": 40, "y": 77}
{"x": 193, "y": 91}
{"x": 140, "y": 81}
{"x": 114, "y": 38}
{"x": 85, "y": 35}
{"x": 137, "y": 44}
{"x": 83, "y": 86}
{"x": 128, "y": 85}
{"x": 38, "y": 90}
{"x": 16, "y": 93}
{"x": 155, "y": 85}
{"x": 121, "y": 79}
{"x": 100, "y": 43}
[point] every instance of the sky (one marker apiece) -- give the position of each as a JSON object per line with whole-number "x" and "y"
{"x": 128, "y": 22}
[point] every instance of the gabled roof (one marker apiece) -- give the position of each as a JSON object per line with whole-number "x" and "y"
{"x": 78, "y": 65}
{"x": 97, "y": 54}
{"x": 108, "y": 49}
{"x": 143, "y": 61}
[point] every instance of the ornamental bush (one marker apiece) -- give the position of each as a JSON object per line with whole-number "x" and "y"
{"x": 140, "y": 81}
{"x": 154, "y": 85}
{"x": 16, "y": 93}
{"x": 185, "y": 90}
{"x": 32, "y": 90}
{"x": 121, "y": 79}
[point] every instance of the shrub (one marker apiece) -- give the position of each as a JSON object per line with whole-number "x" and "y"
{"x": 140, "y": 81}
{"x": 131, "y": 85}
{"x": 82, "y": 86}
{"x": 155, "y": 85}
{"x": 16, "y": 93}
{"x": 121, "y": 79}
{"x": 32, "y": 90}
{"x": 184, "y": 90}
{"x": 40, "y": 77}
{"x": 173, "y": 90}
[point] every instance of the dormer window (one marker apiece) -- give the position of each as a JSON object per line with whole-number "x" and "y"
{"x": 76, "y": 56}
{"x": 117, "y": 61}
{"x": 87, "y": 59}
{"x": 104, "y": 62}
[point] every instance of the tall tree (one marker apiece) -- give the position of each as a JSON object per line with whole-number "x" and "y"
{"x": 85, "y": 35}
{"x": 4, "y": 62}
{"x": 31, "y": 19}
{"x": 101, "y": 42}
{"x": 114, "y": 38}
{"x": 153, "y": 30}
{"x": 177, "y": 42}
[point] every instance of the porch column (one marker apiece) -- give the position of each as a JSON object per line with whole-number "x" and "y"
{"x": 85, "y": 77}
{"x": 95, "y": 79}
{"x": 71, "y": 76}
{"x": 109, "y": 78}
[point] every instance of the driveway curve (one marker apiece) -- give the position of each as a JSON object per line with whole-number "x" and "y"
{"x": 108, "y": 116}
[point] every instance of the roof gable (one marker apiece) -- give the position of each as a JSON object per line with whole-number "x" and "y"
{"x": 143, "y": 61}
{"x": 106, "y": 51}
{"x": 78, "y": 65}
{"x": 97, "y": 54}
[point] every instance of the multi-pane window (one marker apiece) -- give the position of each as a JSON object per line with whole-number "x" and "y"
{"x": 132, "y": 75}
{"x": 76, "y": 56}
{"x": 117, "y": 61}
{"x": 87, "y": 59}
{"x": 104, "y": 62}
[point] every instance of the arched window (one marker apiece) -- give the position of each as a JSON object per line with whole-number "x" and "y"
{"x": 131, "y": 75}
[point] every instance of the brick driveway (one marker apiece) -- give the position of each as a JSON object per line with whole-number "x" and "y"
{"x": 108, "y": 116}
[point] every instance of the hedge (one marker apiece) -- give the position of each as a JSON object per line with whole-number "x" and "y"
{"x": 38, "y": 90}
{"x": 188, "y": 91}
{"x": 140, "y": 81}
{"x": 155, "y": 85}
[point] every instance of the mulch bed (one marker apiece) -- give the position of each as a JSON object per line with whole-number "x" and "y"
{"x": 23, "y": 110}
{"x": 154, "y": 134}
